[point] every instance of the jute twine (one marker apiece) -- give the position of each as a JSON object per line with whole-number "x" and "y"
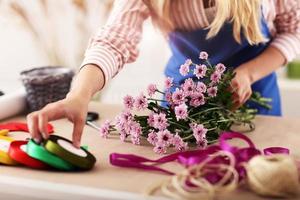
{"x": 272, "y": 176}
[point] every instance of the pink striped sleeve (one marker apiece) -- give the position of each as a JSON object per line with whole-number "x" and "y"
{"x": 115, "y": 44}
{"x": 287, "y": 23}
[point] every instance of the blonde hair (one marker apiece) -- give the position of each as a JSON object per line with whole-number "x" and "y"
{"x": 244, "y": 14}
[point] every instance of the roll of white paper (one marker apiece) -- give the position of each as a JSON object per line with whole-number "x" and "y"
{"x": 12, "y": 104}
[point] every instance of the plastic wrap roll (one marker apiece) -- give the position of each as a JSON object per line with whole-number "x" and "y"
{"x": 13, "y": 103}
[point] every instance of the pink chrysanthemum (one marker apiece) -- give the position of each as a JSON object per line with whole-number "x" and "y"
{"x": 181, "y": 111}
{"x": 151, "y": 89}
{"x": 152, "y": 138}
{"x": 168, "y": 83}
{"x": 188, "y": 87}
{"x": 104, "y": 129}
{"x": 160, "y": 121}
{"x": 160, "y": 148}
{"x": 178, "y": 143}
{"x": 215, "y": 77}
{"x": 203, "y": 55}
{"x": 150, "y": 119}
{"x": 184, "y": 70}
{"x": 178, "y": 97}
{"x": 168, "y": 97}
{"x": 128, "y": 102}
{"x": 141, "y": 102}
{"x": 220, "y": 68}
{"x": 199, "y": 132}
{"x": 201, "y": 87}
{"x": 200, "y": 71}
{"x": 198, "y": 99}
{"x": 165, "y": 137}
{"x": 212, "y": 91}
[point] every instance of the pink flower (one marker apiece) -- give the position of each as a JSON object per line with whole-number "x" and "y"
{"x": 123, "y": 135}
{"x": 199, "y": 132}
{"x": 203, "y": 55}
{"x": 200, "y": 71}
{"x": 124, "y": 121}
{"x": 197, "y": 100}
{"x": 104, "y": 129}
{"x": 212, "y": 91}
{"x": 150, "y": 119}
{"x": 151, "y": 89}
{"x": 164, "y": 137}
{"x": 184, "y": 70}
{"x": 188, "y": 87}
{"x": 160, "y": 121}
{"x": 179, "y": 144}
{"x": 201, "y": 87}
{"x": 220, "y": 68}
{"x": 160, "y": 148}
{"x": 135, "y": 140}
{"x": 215, "y": 77}
{"x": 141, "y": 102}
{"x": 178, "y": 96}
{"x": 135, "y": 129}
{"x": 128, "y": 102}
{"x": 202, "y": 144}
{"x": 168, "y": 97}
{"x": 181, "y": 111}
{"x": 152, "y": 138}
{"x": 168, "y": 83}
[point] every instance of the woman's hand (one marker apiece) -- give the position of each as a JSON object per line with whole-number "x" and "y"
{"x": 74, "y": 108}
{"x": 241, "y": 87}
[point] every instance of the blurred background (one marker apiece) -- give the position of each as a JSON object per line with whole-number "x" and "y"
{"x": 37, "y": 33}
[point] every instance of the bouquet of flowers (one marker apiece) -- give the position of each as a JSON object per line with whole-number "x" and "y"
{"x": 192, "y": 113}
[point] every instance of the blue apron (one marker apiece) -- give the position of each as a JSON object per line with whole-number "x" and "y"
{"x": 223, "y": 49}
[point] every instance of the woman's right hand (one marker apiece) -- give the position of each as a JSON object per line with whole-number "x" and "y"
{"x": 74, "y": 108}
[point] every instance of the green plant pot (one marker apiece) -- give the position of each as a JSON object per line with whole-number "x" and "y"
{"x": 293, "y": 70}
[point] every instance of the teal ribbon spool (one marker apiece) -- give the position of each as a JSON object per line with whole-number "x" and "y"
{"x": 63, "y": 148}
{"x": 39, "y": 152}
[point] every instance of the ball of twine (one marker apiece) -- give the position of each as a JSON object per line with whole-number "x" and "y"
{"x": 274, "y": 175}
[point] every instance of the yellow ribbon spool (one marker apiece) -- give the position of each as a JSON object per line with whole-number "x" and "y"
{"x": 4, "y": 132}
{"x": 4, "y": 146}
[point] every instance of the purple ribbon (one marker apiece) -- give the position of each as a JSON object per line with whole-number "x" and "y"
{"x": 189, "y": 158}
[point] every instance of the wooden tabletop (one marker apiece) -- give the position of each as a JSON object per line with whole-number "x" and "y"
{"x": 105, "y": 181}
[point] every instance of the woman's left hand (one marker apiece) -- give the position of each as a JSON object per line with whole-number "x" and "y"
{"x": 241, "y": 87}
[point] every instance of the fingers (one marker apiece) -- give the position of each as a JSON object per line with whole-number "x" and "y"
{"x": 240, "y": 97}
{"x": 32, "y": 120}
{"x": 77, "y": 130}
{"x": 38, "y": 121}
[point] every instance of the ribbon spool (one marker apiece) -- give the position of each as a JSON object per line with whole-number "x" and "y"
{"x": 4, "y": 132}
{"x": 64, "y": 148}
{"x": 19, "y": 126}
{"x": 4, "y": 147}
{"x": 40, "y": 153}
{"x": 17, "y": 151}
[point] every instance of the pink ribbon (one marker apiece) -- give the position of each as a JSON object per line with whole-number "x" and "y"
{"x": 189, "y": 158}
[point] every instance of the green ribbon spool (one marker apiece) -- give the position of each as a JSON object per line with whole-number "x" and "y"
{"x": 39, "y": 152}
{"x": 64, "y": 149}
{"x": 293, "y": 70}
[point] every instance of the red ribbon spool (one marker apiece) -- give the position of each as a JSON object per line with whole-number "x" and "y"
{"x": 16, "y": 153}
{"x": 19, "y": 126}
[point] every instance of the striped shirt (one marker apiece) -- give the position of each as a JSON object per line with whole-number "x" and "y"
{"x": 116, "y": 43}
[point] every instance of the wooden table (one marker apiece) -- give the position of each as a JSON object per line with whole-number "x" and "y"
{"x": 108, "y": 182}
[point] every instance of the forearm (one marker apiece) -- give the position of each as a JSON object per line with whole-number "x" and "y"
{"x": 264, "y": 64}
{"x": 88, "y": 81}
